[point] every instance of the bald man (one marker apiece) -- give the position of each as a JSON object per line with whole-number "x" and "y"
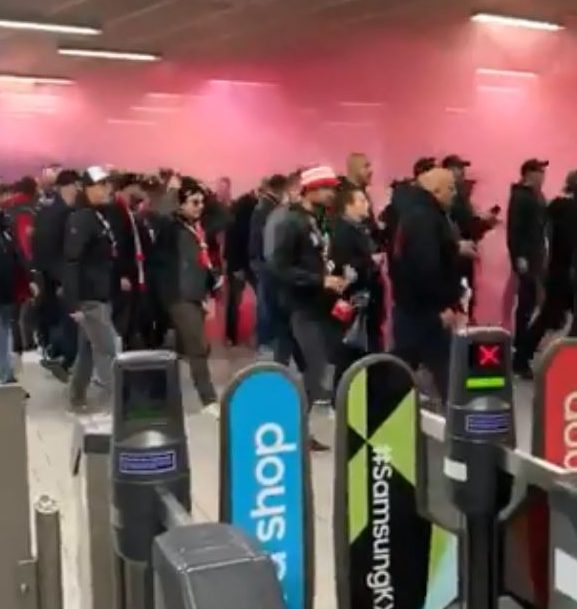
{"x": 426, "y": 278}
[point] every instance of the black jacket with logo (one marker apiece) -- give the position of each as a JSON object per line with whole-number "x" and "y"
{"x": 425, "y": 275}
{"x": 89, "y": 255}
{"x": 180, "y": 275}
{"x": 298, "y": 262}
{"x": 526, "y": 227}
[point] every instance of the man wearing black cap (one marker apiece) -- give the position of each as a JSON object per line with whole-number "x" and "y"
{"x": 48, "y": 256}
{"x": 90, "y": 249}
{"x": 472, "y": 226}
{"x": 526, "y": 244}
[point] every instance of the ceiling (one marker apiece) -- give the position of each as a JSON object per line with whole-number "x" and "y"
{"x": 228, "y": 29}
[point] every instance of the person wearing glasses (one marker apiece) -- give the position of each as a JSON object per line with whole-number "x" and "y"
{"x": 187, "y": 279}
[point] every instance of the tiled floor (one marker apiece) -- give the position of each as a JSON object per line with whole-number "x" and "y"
{"x": 50, "y": 435}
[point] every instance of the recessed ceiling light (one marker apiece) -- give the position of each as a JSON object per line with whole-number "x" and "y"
{"x": 508, "y": 73}
{"x": 114, "y": 55}
{"x": 56, "y": 28}
{"x": 516, "y": 22}
{"x": 34, "y": 80}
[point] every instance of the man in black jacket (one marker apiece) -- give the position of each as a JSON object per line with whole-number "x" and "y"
{"x": 90, "y": 249}
{"x": 526, "y": 244}
{"x": 56, "y": 328}
{"x": 273, "y": 193}
{"x": 187, "y": 279}
{"x": 426, "y": 279}
{"x": 309, "y": 290}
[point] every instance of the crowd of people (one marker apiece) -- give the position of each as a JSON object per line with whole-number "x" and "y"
{"x": 97, "y": 261}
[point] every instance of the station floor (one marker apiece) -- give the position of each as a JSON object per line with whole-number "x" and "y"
{"x": 50, "y": 432}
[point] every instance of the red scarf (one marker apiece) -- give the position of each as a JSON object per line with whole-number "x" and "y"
{"x": 138, "y": 250}
{"x": 200, "y": 236}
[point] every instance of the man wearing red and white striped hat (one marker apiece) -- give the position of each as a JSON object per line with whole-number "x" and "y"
{"x": 307, "y": 287}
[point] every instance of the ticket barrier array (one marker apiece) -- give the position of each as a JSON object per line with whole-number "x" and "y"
{"x": 490, "y": 483}
{"x": 28, "y": 580}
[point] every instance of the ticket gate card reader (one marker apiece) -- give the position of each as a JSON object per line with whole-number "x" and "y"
{"x": 149, "y": 453}
{"x": 480, "y": 419}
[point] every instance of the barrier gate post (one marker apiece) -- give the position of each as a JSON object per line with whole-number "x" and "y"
{"x": 101, "y": 574}
{"x": 23, "y": 578}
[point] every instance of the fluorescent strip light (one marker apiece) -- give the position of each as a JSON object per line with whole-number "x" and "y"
{"x": 497, "y": 89}
{"x": 242, "y": 83}
{"x": 516, "y": 22}
{"x": 129, "y": 121}
{"x": 354, "y": 104}
{"x": 510, "y": 73}
{"x": 34, "y": 80}
{"x": 153, "y": 109}
{"x": 55, "y": 28}
{"x": 456, "y": 110}
{"x": 164, "y": 96}
{"x": 114, "y": 55}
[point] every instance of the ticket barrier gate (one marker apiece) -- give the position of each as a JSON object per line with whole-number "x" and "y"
{"x": 27, "y": 581}
{"x": 488, "y": 480}
{"x": 168, "y": 562}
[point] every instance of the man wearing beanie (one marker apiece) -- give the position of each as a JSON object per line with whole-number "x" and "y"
{"x": 90, "y": 249}
{"x": 306, "y": 286}
{"x": 186, "y": 279}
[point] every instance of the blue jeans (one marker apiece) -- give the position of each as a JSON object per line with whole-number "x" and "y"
{"x": 6, "y": 318}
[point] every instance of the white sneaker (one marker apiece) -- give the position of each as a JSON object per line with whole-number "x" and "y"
{"x": 213, "y": 410}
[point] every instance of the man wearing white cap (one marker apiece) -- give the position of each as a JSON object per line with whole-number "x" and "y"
{"x": 306, "y": 285}
{"x": 89, "y": 252}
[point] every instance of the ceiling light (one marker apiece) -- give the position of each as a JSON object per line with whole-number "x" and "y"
{"x": 456, "y": 110}
{"x": 164, "y": 96}
{"x": 359, "y": 104}
{"x": 129, "y": 121}
{"x": 153, "y": 109}
{"x": 34, "y": 80}
{"x": 56, "y": 28}
{"x": 497, "y": 89}
{"x": 516, "y": 22}
{"x": 114, "y": 55}
{"x": 509, "y": 73}
{"x": 242, "y": 83}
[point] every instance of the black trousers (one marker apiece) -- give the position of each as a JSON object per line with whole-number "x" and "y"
{"x": 526, "y": 303}
{"x": 421, "y": 339}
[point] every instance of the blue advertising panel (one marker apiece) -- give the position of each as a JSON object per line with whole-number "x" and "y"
{"x": 265, "y": 480}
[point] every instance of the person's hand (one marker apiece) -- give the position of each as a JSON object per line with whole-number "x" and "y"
{"x": 335, "y": 284}
{"x": 125, "y": 284}
{"x": 379, "y": 259}
{"x": 448, "y": 319}
{"x": 468, "y": 249}
{"x": 522, "y": 265}
{"x": 34, "y": 289}
{"x": 77, "y": 316}
{"x": 209, "y": 308}
{"x": 490, "y": 219}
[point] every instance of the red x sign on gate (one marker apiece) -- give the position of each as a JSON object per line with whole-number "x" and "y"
{"x": 489, "y": 355}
